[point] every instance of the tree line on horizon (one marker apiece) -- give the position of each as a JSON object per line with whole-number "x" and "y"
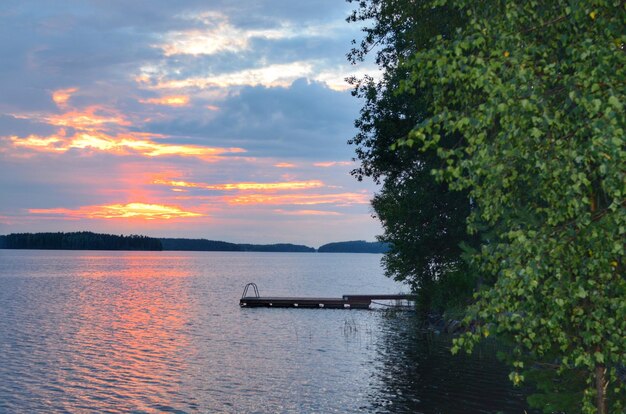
{"x": 95, "y": 241}
{"x": 496, "y": 132}
{"x": 83, "y": 240}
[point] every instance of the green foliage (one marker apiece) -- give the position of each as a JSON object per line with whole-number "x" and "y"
{"x": 424, "y": 224}
{"x": 556, "y": 392}
{"x": 453, "y": 293}
{"x": 535, "y": 93}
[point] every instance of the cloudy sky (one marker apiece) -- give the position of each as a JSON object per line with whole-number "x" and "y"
{"x": 215, "y": 119}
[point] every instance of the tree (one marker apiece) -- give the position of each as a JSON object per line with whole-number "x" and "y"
{"x": 423, "y": 220}
{"x": 534, "y": 91}
{"x": 424, "y": 223}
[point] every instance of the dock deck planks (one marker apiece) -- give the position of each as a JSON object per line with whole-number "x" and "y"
{"x": 345, "y": 302}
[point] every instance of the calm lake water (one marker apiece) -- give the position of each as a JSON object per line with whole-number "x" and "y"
{"x": 148, "y": 332}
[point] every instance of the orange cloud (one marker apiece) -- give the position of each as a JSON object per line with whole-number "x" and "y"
{"x": 35, "y": 142}
{"x": 173, "y": 100}
{"x": 331, "y": 163}
{"x": 307, "y": 213}
{"x": 291, "y": 185}
{"x": 343, "y": 199}
{"x": 61, "y": 96}
{"x": 97, "y": 128}
{"x": 121, "y": 144}
{"x": 284, "y": 165}
{"x": 212, "y": 108}
{"x": 123, "y": 211}
{"x": 89, "y": 118}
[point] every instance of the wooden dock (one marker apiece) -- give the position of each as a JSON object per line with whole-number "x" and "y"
{"x": 345, "y": 302}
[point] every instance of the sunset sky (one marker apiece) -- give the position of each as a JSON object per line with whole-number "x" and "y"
{"x": 203, "y": 119}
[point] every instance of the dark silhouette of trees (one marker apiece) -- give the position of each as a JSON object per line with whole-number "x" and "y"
{"x": 221, "y": 246}
{"x": 199, "y": 245}
{"x": 423, "y": 220}
{"x": 83, "y": 240}
{"x": 356, "y": 246}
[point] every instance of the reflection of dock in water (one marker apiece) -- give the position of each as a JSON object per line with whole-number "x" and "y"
{"x": 345, "y": 302}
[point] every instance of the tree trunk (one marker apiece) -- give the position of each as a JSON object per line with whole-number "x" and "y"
{"x": 600, "y": 369}
{"x": 601, "y": 385}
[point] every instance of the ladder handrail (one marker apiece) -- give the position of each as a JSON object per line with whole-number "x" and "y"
{"x": 254, "y": 287}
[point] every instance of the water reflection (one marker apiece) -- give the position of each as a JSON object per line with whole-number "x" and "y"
{"x": 415, "y": 373}
{"x": 118, "y": 343}
{"x": 138, "y": 326}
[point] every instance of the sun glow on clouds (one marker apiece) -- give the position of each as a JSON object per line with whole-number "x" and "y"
{"x": 121, "y": 211}
{"x": 291, "y": 185}
{"x": 91, "y": 117}
{"x": 307, "y": 212}
{"x": 61, "y": 96}
{"x": 284, "y": 165}
{"x": 331, "y": 164}
{"x": 173, "y": 100}
{"x": 342, "y": 199}
{"x": 120, "y": 144}
{"x": 99, "y": 128}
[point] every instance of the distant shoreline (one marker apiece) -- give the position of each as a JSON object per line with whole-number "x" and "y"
{"x": 107, "y": 242}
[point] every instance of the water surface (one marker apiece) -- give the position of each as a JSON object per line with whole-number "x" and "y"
{"x": 163, "y": 332}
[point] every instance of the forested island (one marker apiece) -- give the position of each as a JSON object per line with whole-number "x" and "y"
{"x": 83, "y": 240}
{"x": 222, "y": 246}
{"x": 356, "y": 246}
{"x": 86, "y": 240}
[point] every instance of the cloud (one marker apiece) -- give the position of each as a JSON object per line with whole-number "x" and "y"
{"x": 170, "y": 100}
{"x": 216, "y": 35}
{"x": 270, "y": 75}
{"x": 92, "y": 117}
{"x": 256, "y": 72}
{"x": 245, "y": 186}
{"x": 305, "y": 120}
{"x": 328, "y": 164}
{"x": 119, "y": 144}
{"x": 307, "y": 212}
{"x": 95, "y": 128}
{"x": 120, "y": 211}
{"x": 61, "y": 96}
{"x": 341, "y": 199}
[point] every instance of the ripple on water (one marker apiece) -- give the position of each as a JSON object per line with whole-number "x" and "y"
{"x": 148, "y": 332}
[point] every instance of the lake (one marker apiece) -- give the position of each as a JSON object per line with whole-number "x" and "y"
{"x": 147, "y": 332}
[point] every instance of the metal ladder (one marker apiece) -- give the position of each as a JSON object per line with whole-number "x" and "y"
{"x": 254, "y": 287}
